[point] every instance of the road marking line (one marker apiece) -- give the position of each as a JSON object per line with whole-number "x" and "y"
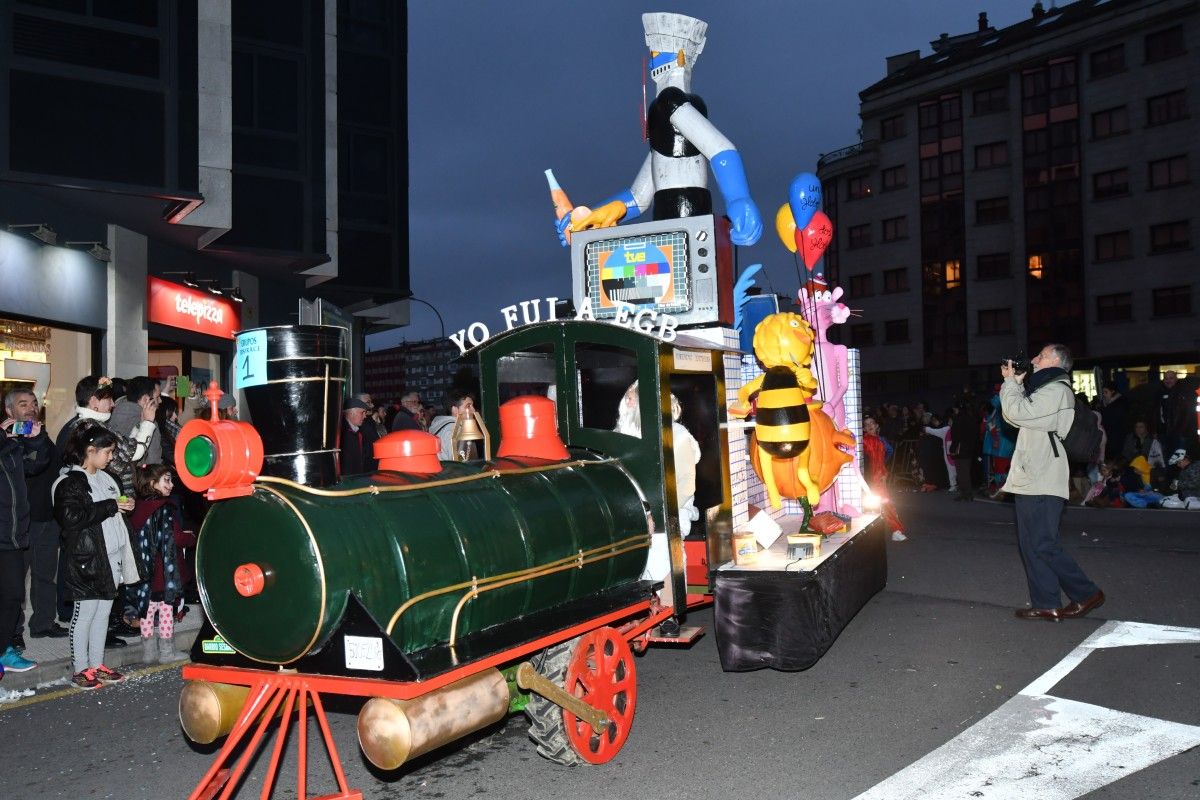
{"x": 67, "y": 691}
{"x": 1053, "y": 748}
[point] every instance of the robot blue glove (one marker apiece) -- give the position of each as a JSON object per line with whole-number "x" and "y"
{"x": 561, "y": 226}
{"x": 731, "y": 177}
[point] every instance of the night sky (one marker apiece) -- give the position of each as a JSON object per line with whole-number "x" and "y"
{"x": 499, "y": 92}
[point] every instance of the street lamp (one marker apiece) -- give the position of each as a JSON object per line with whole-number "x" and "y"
{"x": 432, "y": 308}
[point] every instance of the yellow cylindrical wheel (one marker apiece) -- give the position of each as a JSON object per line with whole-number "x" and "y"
{"x": 392, "y": 732}
{"x": 207, "y": 710}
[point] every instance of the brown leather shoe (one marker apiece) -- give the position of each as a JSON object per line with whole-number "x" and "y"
{"x": 1073, "y": 610}
{"x": 1048, "y": 614}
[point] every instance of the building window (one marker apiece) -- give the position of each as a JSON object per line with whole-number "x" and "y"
{"x": 1114, "y": 307}
{"x": 990, "y": 100}
{"x": 859, "y": 187}
{"x": 1108, "y": 61}
{"x": 1173, "y": 301}
{"x": 991, "y": 155}
{"x": 894, "y": 177}
{"x": 991, "y": 211}
{"x": 1164, "y": 108}
{"x": 953, "y": 273}
{"x": 1035, "y": 266}
{"x": 1113, "y": 246}
{"x": 895, "y": 228}
{"x": 995, "y": 321}
{"x": 1168, "y": 172}
{"x": 895, "y": 280}
{"x": 1110, "y": 122}
{"x": 858, "y": 236}
{"x": 895, "y": 331}
{"x": 892, "y": 128}
{"x": 1162, "y": 45}
{"x": 1170, "y": 236}
{"x": 861, "y": 285}
{"x": 1113, "y": 183}
{"x": 862, "y": 335}
{"x": 990, "y": 266}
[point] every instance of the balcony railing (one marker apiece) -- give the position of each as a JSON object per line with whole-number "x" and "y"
{"x": 868, "y": 146}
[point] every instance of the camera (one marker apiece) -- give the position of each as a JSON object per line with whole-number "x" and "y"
{"x": 22, "y": 427}
{"x": 1020, "y": 362}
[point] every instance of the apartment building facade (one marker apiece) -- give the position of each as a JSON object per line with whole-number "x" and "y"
{"x": 1025, "y": 185}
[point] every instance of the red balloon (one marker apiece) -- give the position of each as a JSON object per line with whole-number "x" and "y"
{"x": 813, "y": 238}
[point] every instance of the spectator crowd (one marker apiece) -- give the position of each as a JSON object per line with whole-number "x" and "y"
{"x": 1148, "y": 457}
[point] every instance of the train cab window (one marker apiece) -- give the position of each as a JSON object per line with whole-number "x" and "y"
{"x": 698, "y": 415}
{"x": 604, "y": 373}
{"x": 526, "y": 372}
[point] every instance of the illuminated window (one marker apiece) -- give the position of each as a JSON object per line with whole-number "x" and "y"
{"x": 953, "y": 273}
{"x": 1035, "y": 267}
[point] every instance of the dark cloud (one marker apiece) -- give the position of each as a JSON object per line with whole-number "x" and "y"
{"x": 500, "y": 92}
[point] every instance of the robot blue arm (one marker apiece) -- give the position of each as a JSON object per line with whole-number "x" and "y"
{"x": 731, "y": 177}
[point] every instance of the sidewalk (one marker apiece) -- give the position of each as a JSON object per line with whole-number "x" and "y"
{"x": 54, "y": 655}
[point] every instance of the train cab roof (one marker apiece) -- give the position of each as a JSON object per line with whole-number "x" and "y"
{"x": 589, "y": 368}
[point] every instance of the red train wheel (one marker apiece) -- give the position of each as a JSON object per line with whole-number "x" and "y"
{"x": 601, "y": 672}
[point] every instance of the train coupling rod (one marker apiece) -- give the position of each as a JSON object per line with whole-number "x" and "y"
{"x": 532, "y": 680}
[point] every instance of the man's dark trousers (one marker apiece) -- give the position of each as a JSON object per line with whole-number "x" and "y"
{"x": 42, "y": 560}
{"x": 1047, "y": 566}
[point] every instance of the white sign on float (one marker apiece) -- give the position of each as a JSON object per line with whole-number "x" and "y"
{"x": 646, "y": 320}
{"x": 251, "y": 362}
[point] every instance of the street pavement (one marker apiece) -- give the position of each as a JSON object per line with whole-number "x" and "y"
{"x": 927, "y": 659}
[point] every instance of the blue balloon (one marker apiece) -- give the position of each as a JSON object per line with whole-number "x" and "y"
{"x": 804, "y": 197}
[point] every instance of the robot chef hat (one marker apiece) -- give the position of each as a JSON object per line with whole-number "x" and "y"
{"x": 670, "y": 33}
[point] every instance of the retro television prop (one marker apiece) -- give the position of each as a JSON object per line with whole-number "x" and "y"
{"x": 682, "y": 267}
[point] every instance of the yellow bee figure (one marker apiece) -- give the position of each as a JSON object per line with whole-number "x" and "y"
{"x": 781, "y": 340}
{"x": 795, "y": 449}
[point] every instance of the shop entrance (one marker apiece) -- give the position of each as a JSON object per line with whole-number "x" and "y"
{"x": 47, "y": 360}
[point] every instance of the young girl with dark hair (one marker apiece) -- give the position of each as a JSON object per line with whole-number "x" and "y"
{"x": 88, "y": 505}
{"x": 158, "y": 532}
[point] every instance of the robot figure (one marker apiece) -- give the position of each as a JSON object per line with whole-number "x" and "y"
{"x": 673, "y": 175}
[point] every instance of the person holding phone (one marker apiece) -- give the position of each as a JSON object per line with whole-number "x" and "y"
{"x": 21, "y": 455}
{"x": 41, "y": 557}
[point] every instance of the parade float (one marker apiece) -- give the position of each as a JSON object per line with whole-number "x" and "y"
{"x": 645, "y": 466}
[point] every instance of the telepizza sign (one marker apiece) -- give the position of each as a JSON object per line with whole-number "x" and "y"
{"x": 191, "y": 309}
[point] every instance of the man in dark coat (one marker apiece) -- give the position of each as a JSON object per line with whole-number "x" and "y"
{"x": 964, "y": 447}
{"x": 1113, "y": 416}
{"x": 23, "y": 452}
{"x": 358, "y": 439}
